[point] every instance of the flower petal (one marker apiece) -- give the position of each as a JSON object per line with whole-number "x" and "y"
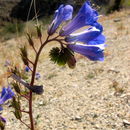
{"x": 98, "y": 40}
{"x": 7, "y": 93}
{"x": 86, "y": 16}
{"x": 92, "y": 52}
{"x": 85, "y": 36}
{"x": 1, "y": 108}
{"x": 63, "y": 13}
{"x": 3, "y": 92}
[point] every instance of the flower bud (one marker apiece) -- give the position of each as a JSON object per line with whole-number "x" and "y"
{"x": 2, "y": 123}
{"x": 16, "y": 106}
{"x": 18, "y": 114}
{"x": 39, "y": 32}
{"x": 71, "y": 62}
{"x": 24, "y": 55}
{"x": 16, "y": 87}
{"x": 37, "y": 89}
{"x": 30, "y": 41}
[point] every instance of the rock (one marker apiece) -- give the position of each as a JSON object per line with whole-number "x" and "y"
{"x": 117, "y": 20}
{"x": 125, "y": 122}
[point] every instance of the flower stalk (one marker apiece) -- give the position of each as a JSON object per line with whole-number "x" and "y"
{"x": 33, "y": 77}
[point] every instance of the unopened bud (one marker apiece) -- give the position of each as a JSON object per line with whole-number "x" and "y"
{"x": 71, "y": 62}
{"x": 16, "y": 87}
{"x": 37, "y": 89}
{"x": 2, "y": 123}
{"x": 50, "y": 29}
{"x": 18, "y": 114}
{"x": 39, "y": 32}
{"x": 24, "y": 55}
{"x": 30, "y": 40}
{"x": 16, "y": 106}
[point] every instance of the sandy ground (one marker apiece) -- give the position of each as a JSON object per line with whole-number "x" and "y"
{"x": 94, "y": 95}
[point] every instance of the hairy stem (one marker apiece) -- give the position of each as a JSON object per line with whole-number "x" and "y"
{"x": 33, "y": 76}
{"x": 32, "y": 82}
{"x": 30, "y": 111}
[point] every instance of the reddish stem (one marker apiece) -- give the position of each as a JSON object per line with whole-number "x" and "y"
{"x": 24, "y": 96}
{"x": 30, "y": 61}
{"x": 33, "y": 77}
{"x": 30, "y": 111}
{"x": 34, "y": 49}
{"x": 25, "y": 124}
{"x": 25, "y": 111}
{"x": 32, "y": 82}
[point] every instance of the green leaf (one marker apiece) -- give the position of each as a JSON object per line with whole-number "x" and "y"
{"x": 60, "y": 55}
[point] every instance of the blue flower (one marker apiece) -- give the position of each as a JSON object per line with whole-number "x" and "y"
{"x": 6, "y": 94}
{"x": 92, "y": 52}
{"x": 91, "y": 36}
{"x": 7, "y": 63}
{"x": 37, "y": 76}
{"x": 26, "y": 69}
{"x": 63, "y": 13}
{"x": 86, "y": 16}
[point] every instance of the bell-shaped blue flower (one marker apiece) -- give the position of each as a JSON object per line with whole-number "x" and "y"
{"x": 63, "y": 13}
{"x": 86, "y": 16}
{"x": 92, "y": 52}
{"x": 88, "y": 36}
{"x": 6, "y": 94}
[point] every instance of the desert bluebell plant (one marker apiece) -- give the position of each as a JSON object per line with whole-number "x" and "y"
{"x": 80, "y": 34}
